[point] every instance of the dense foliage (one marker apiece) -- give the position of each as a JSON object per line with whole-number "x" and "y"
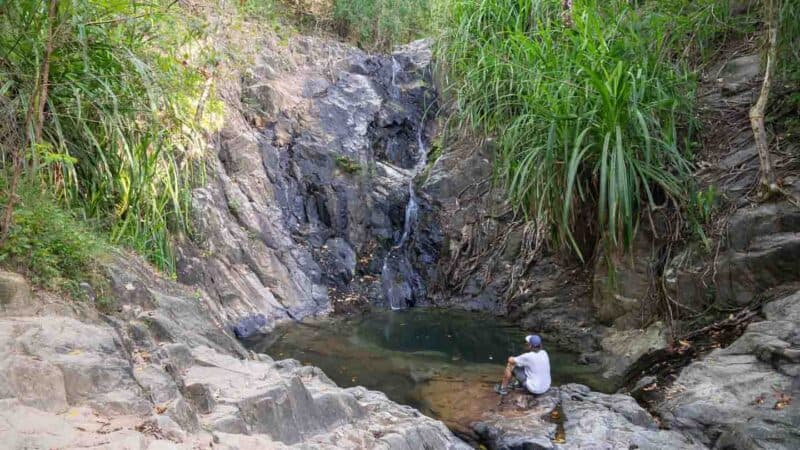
{"x": 105, "y": 101}
{"x": 591, "y": 106}
{"x": 379, "y": 24}
{"x": 47, "y": 243}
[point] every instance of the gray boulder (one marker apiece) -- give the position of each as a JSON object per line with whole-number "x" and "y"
{"x": 763, "y": 251}
{"x": 740, "y": 397}
{"x": 80, "y": 363}
{"x": 590, "y": 420}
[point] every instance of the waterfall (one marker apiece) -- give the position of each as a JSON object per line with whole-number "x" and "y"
{"x": 397, "y": 270}
{"x": 394, "y": 90}
{"x": 413, "y": 206}
{"x": 396, "y": 290}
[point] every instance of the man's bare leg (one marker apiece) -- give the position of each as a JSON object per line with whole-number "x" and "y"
{"x": 509, "y": 372}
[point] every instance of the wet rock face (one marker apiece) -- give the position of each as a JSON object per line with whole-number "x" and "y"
{"x": 310, "y": 187}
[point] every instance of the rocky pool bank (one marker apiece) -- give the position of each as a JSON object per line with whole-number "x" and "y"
{"x": 305, "y": 200}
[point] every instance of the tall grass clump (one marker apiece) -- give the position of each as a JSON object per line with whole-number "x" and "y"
{"x": 789, "y": 41}
{"x": 591, "y": 111}
{"x": 109, "y": 98}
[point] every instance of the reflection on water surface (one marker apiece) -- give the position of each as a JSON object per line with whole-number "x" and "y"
{"x": 426, "y": 358}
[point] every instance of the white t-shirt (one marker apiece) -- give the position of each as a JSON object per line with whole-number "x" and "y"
{"x": 537, "y": 370}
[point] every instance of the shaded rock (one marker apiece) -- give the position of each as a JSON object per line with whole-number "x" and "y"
{"x": 640, "y": 388}
{"x": 623, "y": 299}
{"x": 622, "y": 348}
{"x": 762, "y": 251}
{"x": 340, "y": 260}
{"x": 687, "y": 278}
{"x": 249, "y": 326}
{"x": 490, "y": 261}
{"x": 731, "y": 398}
{"x": 15, "y": 293}
{"x": 738, "y": 73}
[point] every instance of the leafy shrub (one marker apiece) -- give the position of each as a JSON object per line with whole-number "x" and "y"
{"x": 348, "y": 165}
{"x": 590, "y": 111}
{"x": 47, "y": 243}
{"x": 129, "y": 95}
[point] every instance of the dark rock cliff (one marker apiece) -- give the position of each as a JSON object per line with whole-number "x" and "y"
{"x": 309, "y": 191}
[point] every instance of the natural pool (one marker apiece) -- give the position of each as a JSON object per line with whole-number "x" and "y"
{"x": 443, "y": 362}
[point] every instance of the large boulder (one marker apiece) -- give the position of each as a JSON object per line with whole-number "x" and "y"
{"x": 78, "y": 363}
{"x": 762, "y": 252}
{"x": 759, "y": 252}
{"x": 585, "y": 419}
{"x": 741, "y": 397}
{"x": 620, "y": 349}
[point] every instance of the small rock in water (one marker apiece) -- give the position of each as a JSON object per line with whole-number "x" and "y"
{"x": 249, "y": 326}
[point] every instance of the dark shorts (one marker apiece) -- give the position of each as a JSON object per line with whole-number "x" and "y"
{"x": 519, "y": 374}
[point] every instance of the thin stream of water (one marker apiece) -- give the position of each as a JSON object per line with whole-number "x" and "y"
{"x": 412, "y": 208}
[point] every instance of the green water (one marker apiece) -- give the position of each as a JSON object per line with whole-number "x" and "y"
{"x": 399, "y": 352}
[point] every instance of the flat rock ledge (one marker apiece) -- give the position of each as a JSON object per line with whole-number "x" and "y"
{"x": 584, "y": 420}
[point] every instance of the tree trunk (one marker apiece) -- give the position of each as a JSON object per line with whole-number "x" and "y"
{"x": 757, "y": 112}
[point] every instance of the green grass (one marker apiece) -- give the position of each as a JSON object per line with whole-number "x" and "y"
{"x": 348, "y": 165}
{"x": 122, "y": 132}
{"x": 592, "y": 119}
{"x": 381, "y": 24}
{"x": 47, "y": 243}
{"x": 789, "y": 41}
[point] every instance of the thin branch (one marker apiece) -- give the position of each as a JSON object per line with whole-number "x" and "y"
{"x": 768, "y": 180}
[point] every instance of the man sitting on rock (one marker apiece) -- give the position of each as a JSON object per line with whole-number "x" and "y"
{"x": 531, "y": 369}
